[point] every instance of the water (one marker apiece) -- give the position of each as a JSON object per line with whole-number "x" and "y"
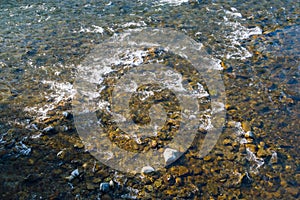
{"x": 256, "y": 48}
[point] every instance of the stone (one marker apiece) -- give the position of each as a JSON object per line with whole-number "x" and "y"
{"x": 179, "y": 170}
{"x": 49, "y": 130}
{"x": 293, "y": 191}
{"x": 262, "y": 153}
{"x": 178, "y": 181}
{"x": 226, "y": 141}
{"x": 104, "y": 187}
{"x": 170, "y": 155}
{"x": 158, "y": 183}
{"x": 90, "y": 186}
{"x": 207, "y": 158}
{"x": 249, "y": 134}
{"x": 147, "y": 170}
{"x": 96, "y": 180}
{"x": 78, "y": 145}
{"x": 246, "y": 126}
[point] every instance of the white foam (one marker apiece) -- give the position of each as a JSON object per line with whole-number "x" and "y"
{"x": 23, "y": 149}
{"x": 129, "y": 58}
{"x": 171, "y": 2}
{"x": 58, "y": 92}
{"x": 255, "y": 162}
{"x": 238, "y": 34}
{"x": 135, "y": 24}
{"x": 93, "y": 29}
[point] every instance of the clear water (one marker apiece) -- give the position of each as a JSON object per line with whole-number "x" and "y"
{"x": 42, "y": 45}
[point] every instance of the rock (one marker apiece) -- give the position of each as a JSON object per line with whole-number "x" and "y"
{"x": 261, "y": 152}
{"x": 106, "y": 197}
{"x": 168, "y": 179}
{"x": 49, "y": 130}
{"x": 179, "y": 170}
{"x": 147, "y": 170}
{"x": 158, "y": 183}
{"x": 78, "y": 145}
{"x": 246, "y": 126}
{"x": 178, "y": 181}
{"x": 298, "y": 178}
{"x": 73, "y": 175}
{"x": 33, "y": 178}
{"x": 153, "y": 143}
{"x": 111, "y": 183}
{"x": 96, "y": 180}
{"x": 90, "y": 186}
{"x": 207, "y": 158}
{"x": 249, "y": 134}
{"x": 226, "y": 141}
{"x": 293, "y": 191}
{"x": 104, "y": 187}
{"x": 274, "y": 158}
{"x": 170, "y": 155}
{"x": 149, "y": 188}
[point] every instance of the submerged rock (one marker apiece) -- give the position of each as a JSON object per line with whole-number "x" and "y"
{"x": 170, "y": 155}
{"x": 147, "y": 170}
{"x": 104, "y": 187}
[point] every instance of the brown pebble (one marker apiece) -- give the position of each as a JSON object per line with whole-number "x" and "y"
{"x": 246, "y": 126}
{"x": 293, "y": 191}
{"x": 261, "y": 152}
{"x": 179, "y": 170}
{"x": 178, "y": 181}
{"x": 226, "y": 141}
{"x": 207, "y": 158}
{"x": 90, "y": 186}
{"x": 106, "y": 197}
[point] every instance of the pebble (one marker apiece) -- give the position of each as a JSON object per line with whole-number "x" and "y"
{"x": 179, "y": 170}
{"x": 293, "y": 191}
{"x": 207, "y": 158}
{"x": 226, "y": 141}
{"x": 158, "y": 183}
{"x": 96, "y": 180}
{"x": 249, "y": 134}
{"x": 170, "y": 155}
{"x": 90, "y": 186}
{"x": 104, "y": 187}
{"x": 49, "y": 130}
{"x": 74, "y": 174}
{"x": 261, "y": 152}
{"x": 246, "y": 126}
{"x": 274, "y": 158}
{"x": 111, "y": 183}
{"x": 147, "y": 170}
{"x": 78, "y": 145}
{"x": 178, "y": 181}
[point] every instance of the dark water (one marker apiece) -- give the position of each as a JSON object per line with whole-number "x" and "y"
{"x": 257, "y": 44}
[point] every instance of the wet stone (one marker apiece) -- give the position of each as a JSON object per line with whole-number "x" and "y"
{"x": 246, "y": 126}
{"x": 104, "y": 187}
{"x": 158, "y": 183}
{"x": 207, "y": 158}
{"x": 179, "y": 170}
{"x": 90, "y": 186}
{"x": 96, "y": 180}
{"x": 147, "y": 170}
{"x": 293, "y": 191}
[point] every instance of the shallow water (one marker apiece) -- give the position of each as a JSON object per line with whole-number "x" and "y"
{"x": 256, "y": 48}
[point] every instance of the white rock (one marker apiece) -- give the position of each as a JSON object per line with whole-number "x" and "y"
{"x": 75, "y": 173}
{"x": 170, "y": 155}
{"x": 147, "y": 169}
